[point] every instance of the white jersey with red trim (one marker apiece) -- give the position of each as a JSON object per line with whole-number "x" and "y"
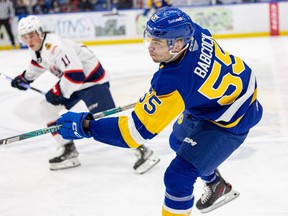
{"x": 73, "y": 63}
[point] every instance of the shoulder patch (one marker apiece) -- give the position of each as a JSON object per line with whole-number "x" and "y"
{"x": 48, "y": 46}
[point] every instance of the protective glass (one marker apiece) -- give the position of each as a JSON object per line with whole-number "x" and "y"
{"x": 149, "y": 40}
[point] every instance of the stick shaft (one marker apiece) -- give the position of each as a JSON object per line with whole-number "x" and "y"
{"x": 113, "y": 111}
{"x": 22, "y": 84}
{"x": 55, "y": 128}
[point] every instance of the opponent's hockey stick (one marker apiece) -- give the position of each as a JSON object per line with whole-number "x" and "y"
{"x": 55, "y": 128}
{"x": 22, "y": 84}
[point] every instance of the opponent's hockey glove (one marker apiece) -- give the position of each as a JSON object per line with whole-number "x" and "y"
{"x": 54, "y": 96}
{"x": 72, "y": 125}
{"x": 20, "y": 81}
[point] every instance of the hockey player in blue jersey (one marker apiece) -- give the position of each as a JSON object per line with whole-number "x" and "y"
{"x": 214, "y": 95}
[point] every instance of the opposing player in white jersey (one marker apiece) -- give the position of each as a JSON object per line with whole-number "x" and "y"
{"x": 81, "y": 77}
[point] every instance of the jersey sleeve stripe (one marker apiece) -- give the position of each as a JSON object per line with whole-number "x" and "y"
{"x": 126, "y": 127}
{"x": 97, "y": 74}
{"x": 75, "y": 76}
{"x": 144, "y": 133}
{"x": 34, "y": 63}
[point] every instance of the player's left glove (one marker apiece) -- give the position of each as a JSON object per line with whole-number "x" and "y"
{"x": 54, "y": 96}
{"x": 72, "y": 125}
{"x": 20, "y": 81}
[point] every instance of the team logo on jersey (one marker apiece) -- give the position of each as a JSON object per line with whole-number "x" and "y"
{"x": 180, "y": 119}
{"x": 48, "y": 46}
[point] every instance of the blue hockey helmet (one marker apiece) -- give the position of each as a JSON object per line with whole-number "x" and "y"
{"x": 170, "y": 23}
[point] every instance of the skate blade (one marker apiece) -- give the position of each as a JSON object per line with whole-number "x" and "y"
{"x": 147, "y": 165}
{"x": 233, "y": 194}
{"x": 70, "y": 163}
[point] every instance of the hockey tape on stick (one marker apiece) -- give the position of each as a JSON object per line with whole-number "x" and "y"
{"x": 55, "y": 128}
{"x": 22, "y": 84}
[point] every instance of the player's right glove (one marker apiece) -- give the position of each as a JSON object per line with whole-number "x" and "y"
{"x": 72, "y": 125}
{"x": 20, "y": 81}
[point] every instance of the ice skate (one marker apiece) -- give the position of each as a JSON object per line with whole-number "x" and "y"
{"x": 217, "y": 194}
{"x": 67, "y": 158}
{"x": 145, "y": 159}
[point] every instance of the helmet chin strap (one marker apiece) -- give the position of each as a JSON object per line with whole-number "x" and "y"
{"x": 42, "y": 36}
{"x": 175, "y": 55}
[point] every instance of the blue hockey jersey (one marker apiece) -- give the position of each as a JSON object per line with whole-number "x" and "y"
{"x": 207, "y": 81}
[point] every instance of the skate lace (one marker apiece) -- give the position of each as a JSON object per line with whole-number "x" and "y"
{"x": 207, "y": 194}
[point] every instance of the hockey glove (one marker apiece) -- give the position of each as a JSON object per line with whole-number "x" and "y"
{"x": 72, "y": 125}
{"x": 20, "y": 82}
{"x": 54, "y": 96}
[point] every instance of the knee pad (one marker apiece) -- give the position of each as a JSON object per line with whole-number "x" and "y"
{"x": 179, "y": 180}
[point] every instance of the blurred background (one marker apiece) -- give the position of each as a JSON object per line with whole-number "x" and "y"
{"x": 23, "y": 7}
{"x": 97, "y": 22}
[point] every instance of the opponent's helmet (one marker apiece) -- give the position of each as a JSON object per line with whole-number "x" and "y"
{"x": 29, "y": 24}
{"x": 170, "y": 23}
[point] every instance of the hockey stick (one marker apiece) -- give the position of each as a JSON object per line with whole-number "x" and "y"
{"x": 55, "y": 128}
{"x": 22, "y": 84}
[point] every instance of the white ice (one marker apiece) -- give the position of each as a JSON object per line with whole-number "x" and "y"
{"x": 105, "y": 184}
